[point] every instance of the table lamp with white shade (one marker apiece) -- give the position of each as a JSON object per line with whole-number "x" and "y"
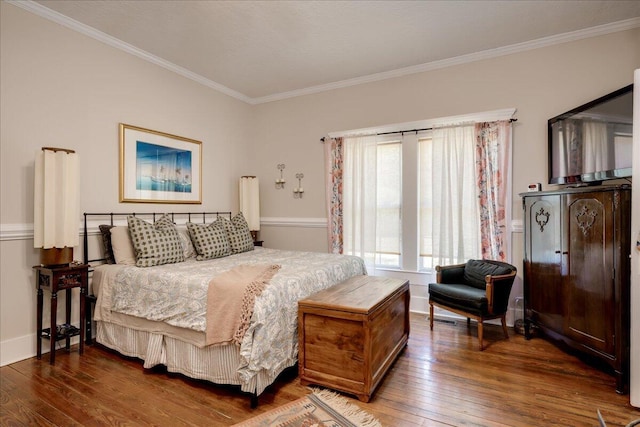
{"x": 250, "y": 203}
{"x": 56, "y": 210}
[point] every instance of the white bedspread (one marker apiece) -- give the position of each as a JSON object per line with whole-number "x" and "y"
{"x": 176, "y": 294}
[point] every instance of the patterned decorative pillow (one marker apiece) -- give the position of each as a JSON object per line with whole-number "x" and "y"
{"x": 210, "y": 240}
{"x": 105, "y": 230}
{"x": 238, "y": 233}
{"x": 155, "y": 244}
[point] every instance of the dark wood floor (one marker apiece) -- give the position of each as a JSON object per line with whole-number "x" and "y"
{"x": 441, "y": 379}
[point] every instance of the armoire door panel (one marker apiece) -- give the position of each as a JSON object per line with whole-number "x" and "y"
{"x": 589, "y": 282}
{"x": 545, "y": 293}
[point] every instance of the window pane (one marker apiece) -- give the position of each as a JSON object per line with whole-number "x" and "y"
{"x": 389, "y": 190}
{"x": 425, "y": 197}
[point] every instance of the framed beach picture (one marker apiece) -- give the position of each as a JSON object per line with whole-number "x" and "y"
{"x": 157, "y": 167}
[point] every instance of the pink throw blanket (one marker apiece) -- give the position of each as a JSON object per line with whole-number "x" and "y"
{"x": 230, "y": 299}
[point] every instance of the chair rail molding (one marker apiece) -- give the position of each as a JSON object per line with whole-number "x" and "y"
{"x": 24, "y": 231}
{"x": 16, "y": 231}
{"x": 517, "y": 226}
{"x": 293, "y": 222}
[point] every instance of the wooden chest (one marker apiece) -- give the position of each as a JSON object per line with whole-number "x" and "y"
{"x": 350, "y": 334}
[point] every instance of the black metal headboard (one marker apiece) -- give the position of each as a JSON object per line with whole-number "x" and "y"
{"x": 111, "y": 218}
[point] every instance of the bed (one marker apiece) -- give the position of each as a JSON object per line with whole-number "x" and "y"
{"x": 167, "y": 314}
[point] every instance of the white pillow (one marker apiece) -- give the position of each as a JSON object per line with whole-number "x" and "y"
{"x": 187, "y": 244}
{"x": 122, "y": 246}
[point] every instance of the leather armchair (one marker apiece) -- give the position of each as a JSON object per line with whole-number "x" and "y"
{"x": 478, "y": 289}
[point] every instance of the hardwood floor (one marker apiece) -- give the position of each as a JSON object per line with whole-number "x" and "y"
{"x": 440, "y": 379}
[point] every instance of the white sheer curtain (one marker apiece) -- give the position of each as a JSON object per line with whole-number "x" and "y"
{"x": 449, "y": 214}
{"x": 359, "y": 198}
{"x": 571, "y": 159}
{"x": 595, "y": 149}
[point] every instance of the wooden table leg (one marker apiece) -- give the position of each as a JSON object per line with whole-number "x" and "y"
{"x": 39, "y": 325}
{"x": 83, "y": 302}
{"x": 53, "y": 333}
{"x": 89, "y": 327}
{"x": 67, "y": 318}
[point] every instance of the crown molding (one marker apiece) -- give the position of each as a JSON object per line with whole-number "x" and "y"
{"x": 45, "y": 12}
{"x": 599, "y": 30}
{"x": 61, "y": 19}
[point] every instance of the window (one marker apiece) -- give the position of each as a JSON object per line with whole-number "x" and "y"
{"x": 411, "y": 200}
{"x": 443, "y": 228}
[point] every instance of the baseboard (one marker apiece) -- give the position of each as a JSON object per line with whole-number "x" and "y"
{"x": 418, "y": 304}
{"x": 448, "y": 316}
{"x": 21, "y": 348}
{"x": 17, "y": 349}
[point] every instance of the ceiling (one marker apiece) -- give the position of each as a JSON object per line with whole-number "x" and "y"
{"x": 259, "y": 51}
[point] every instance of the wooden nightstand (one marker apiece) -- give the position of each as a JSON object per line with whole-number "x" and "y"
{"x": 57, "y": 279}
{"x": 258, "y": 242}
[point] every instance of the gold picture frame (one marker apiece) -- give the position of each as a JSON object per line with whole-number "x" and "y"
{"x": 157, "y": 167}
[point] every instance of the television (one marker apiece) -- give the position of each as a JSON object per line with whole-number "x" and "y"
{"x": 593, "y": 142}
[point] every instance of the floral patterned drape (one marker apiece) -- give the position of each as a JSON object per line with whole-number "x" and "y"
{"x": 334, "y": 156}
{"x": 493, "y": 147}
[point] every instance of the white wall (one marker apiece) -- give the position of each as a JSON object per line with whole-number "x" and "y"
{"x": 540, "y": 84}
{"x": 63, "y": 89}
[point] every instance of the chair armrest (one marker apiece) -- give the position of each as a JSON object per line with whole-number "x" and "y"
{"x": 498, "y": 289}
{"x": 450, "y": 273}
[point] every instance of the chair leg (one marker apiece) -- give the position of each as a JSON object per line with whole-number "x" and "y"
{"x": 468, "y": 322}
{"x": 504, "y": 326}
{"x": 480, "y": 331}
{"x": 431, "y": 316}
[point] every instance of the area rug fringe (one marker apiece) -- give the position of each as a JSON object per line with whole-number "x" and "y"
{"x": 348, "y": 410}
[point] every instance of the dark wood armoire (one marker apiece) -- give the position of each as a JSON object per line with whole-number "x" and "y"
{"x": 577, "y": 271}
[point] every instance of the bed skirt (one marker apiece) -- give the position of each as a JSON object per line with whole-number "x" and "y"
{"x": 217, "y": 364}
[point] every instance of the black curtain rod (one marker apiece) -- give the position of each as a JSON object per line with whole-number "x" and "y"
{"x": 404, "y": 131}
{"x": 409, "y": 131}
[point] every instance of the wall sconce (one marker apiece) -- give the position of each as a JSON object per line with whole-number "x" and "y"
{"x": 297, "y": 192}
{"x": 280, "y": 182}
